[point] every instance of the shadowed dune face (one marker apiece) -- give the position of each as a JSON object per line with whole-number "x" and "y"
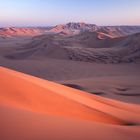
{"x": 74, "y": 86}
{"x": 124, "y": 88}
{"x": 87, "y": 47}
{"x": 28, "y": 95}
{"x": 32, "y": 108}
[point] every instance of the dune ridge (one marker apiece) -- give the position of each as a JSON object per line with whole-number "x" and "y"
{"x": 14, "y": 31}
{"x": 59, "y": 92}
{"x": 25, "y": 99}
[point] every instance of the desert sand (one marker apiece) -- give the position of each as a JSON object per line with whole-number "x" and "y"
{"x": 32, "y": 108}
{"x": 109, "y": 67}
{"x": 74, "y": 81}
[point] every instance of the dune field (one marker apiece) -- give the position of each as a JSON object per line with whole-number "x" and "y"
{"x": 74, "y": 81}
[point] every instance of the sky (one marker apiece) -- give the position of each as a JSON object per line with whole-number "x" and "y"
{"x": 52, "y": 12}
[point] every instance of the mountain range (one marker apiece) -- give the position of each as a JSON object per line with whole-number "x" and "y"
{"x": 71, "y": 28}
{"x": 78, "y": 42}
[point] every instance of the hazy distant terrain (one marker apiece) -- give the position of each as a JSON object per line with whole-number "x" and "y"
{"x": 98, "y": 59}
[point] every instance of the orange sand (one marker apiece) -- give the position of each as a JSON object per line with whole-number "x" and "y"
{"x": 33, "y": 108}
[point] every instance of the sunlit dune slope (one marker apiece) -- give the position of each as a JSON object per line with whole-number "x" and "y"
{"x": 24, "y": 91}
{"x": 15, "y": 31}
{"x": 33, "y": 108}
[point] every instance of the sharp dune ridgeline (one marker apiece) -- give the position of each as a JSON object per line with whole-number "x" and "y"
{"x": 33, "y": 108}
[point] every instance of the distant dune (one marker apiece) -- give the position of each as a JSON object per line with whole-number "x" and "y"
{"x": 14, "y": 32}
{"x": 69, "y": 29}
{"x": 33, "y": 108}
{"x": 87, "y": 46}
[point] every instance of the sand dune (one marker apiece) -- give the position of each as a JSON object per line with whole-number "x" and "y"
{"x": 15, "y": 31}
{"x": 33, "y": 108}
{"x": 72, "y": 55}
{"x": 87, "y": 47}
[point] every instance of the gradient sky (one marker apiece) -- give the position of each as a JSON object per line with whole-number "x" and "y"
{"x": 51, "y": 12}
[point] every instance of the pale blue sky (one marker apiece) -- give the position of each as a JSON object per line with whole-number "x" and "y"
{"x": 51, "y": 12}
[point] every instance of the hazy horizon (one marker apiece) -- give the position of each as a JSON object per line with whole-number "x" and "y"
{"x": 26, "y": 13}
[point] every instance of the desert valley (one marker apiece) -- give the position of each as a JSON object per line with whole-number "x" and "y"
{"x": 73, "y": 81}
{"x": 96, "y": 59}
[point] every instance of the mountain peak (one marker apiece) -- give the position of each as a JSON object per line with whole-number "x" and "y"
{"x": 79, "y": 25}
{"x": 74, "y": 27}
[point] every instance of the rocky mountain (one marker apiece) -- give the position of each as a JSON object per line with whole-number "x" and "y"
{"x": 70, "y": 29}
{"x": 74, "y": 28}
{"x": 77, "y": 28}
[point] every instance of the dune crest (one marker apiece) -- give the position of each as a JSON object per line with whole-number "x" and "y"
{"x": 27, "y": 99}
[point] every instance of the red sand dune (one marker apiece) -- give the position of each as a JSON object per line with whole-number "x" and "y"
{"x": 12, "y": 31}
{"x": 33, "y": 108}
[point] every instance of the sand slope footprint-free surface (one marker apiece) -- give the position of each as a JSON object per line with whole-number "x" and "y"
{"x": 33, "y": 108}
